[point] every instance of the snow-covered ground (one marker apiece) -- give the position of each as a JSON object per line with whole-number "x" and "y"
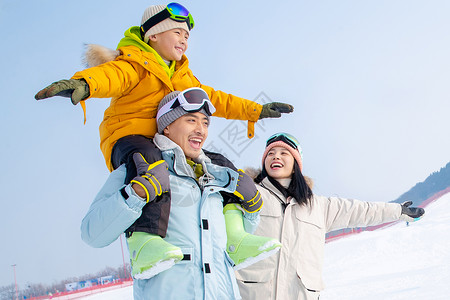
{"x": 125, "y": 293}
{"x": 397, "y": 263}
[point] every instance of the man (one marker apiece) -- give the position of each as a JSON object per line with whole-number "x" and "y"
{"x": 197, "y": 217}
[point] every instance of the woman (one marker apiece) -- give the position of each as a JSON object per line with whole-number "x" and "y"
{"x": 299, "y": 219}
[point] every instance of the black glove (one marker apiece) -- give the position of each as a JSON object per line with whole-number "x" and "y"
{"x": 411, "y": 214}
{"x": 247, "y": 192}
{"x": 75, "y": 89}
{"x": 154, "y": 178}
{"x": 275, "y": 109}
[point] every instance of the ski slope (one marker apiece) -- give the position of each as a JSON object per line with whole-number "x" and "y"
{"x": 125, "y": 293}
{"x": 396, "y": 263}
{"x": 399, "y": 262}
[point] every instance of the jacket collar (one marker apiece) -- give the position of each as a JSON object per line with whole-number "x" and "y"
{"x": 213, "y": 174}
{"x": 173, "y": 152}
{"x": 265, "y": 183}
{"x": 132, "y": 37}
{"x": 180, "y": 164}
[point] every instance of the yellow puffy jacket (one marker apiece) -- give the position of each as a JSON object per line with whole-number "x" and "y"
{"x": 136, "y": 81}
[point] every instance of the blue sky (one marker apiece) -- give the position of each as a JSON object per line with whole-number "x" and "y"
{"x": 368, "y": 79}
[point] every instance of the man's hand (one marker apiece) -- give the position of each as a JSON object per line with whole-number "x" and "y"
{"x": 246, "y": 191}
{"x": 275, "y": 109}
{"x": 75, "y": 89}
{"x": 153, "y": 179}
{"x": 411, "y": 214}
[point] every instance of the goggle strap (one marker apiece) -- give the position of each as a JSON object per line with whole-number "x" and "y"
{"x": 176, "y": 103}
{"x": 159, "y": 17}
{"x": 283, "y": 138}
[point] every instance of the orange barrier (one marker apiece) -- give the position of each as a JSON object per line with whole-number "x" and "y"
{"x": 86, "y": 291}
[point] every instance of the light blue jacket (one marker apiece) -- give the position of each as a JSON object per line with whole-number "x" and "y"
{"x": 209, "y": 273}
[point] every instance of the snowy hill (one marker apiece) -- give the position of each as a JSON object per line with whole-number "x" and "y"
{"x": 396, "y": 263}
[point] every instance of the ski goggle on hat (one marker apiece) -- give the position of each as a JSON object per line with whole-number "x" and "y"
{"x": 287, "y": 141}
{"x": 287, "y": 138}
{"x": 191, "y": 100}
{"x": 174, "y": 11}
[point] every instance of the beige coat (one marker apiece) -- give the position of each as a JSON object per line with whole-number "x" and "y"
{"x": 295, "y": 272}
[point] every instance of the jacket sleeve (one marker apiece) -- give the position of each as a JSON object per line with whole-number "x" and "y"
{"x": 347, "y": 213}
{"x": 110, "y": 214}
{"x": 229, "y": 106}
{"x": 111, "y": 79}
{"x": 236, "y": 108}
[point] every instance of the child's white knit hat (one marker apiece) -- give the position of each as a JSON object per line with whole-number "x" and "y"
{"x": 166, "y": 24}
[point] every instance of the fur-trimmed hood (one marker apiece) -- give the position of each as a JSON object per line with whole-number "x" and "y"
{"x": 95, "y": 55}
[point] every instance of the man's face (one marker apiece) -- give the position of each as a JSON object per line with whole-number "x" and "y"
{"x": 189, "y": 132}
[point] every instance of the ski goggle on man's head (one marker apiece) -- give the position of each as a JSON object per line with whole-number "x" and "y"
{"x": 191, "y": 100}
{"x": 174, "y": 11}
{"x": 287, "y": 138}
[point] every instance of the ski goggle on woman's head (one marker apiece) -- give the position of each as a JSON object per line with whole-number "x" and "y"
{"x": 287, "y": 138}
{"x": 174, "y": 11}
{"x": 191, "y": 100}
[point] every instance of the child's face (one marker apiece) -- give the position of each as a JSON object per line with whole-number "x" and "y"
{"x": 170, "y": 44}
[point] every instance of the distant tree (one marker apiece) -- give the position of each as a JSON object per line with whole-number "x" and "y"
{"x": 34, "y": 290}
{"x": 58, "y": 287}
{"x": 8, "y": 292}
{"x": 124, "y": 272}
{"x": 107, "y": 272}
{"x": 436, "y": 182}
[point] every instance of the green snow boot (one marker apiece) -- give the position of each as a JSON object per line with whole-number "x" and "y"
{"x": 244, "y": 248}
{"x": 150, "y": 255}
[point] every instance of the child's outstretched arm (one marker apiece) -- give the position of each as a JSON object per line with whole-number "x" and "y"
{"x": 229, "y": 106}
{"x": 109, "y": 80}
{"x": 275, "y": 109}
{"x": 75, "y": 89}
{"x": 232, "y": 107}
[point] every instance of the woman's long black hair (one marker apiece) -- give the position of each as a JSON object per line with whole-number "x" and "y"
{"x": 298, "y": 188}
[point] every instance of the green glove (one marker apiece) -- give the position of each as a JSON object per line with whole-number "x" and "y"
{"x": 75, "y": 89}
{"x": 275, "y": 109}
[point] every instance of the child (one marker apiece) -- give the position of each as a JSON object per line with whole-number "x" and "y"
{"x": 149, "y": 64}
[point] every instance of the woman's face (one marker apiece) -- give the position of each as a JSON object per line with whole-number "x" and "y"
{"x": 279, "y": 163}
